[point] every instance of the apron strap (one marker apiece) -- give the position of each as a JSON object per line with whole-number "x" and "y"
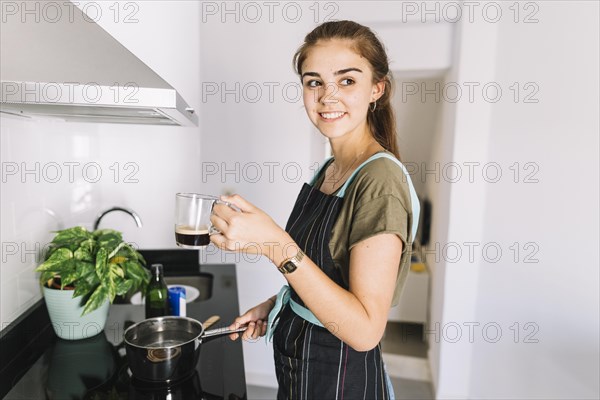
{"x": 316, "y": 176}
{"x": 414, "y": 200}
{"x": 284, "y": 297}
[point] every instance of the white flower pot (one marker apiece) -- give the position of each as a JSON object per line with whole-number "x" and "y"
{"x": 65, "y": 315}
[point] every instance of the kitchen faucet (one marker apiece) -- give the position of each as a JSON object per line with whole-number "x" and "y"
{"x": 133, "y": 214}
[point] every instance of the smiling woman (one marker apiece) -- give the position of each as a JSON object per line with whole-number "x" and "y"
{"x": 346, "y": 248}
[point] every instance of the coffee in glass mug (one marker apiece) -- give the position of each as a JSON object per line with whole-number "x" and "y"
{"x": 192, "y": 219}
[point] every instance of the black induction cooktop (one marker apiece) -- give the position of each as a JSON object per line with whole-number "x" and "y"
{"x": 96, "y": 368}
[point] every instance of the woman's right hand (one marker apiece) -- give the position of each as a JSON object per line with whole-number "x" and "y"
{"x": 256, "y": 319}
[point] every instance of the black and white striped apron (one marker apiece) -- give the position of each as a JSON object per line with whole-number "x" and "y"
{"x": 310, "y": 362}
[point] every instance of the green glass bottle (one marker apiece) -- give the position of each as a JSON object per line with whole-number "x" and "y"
{"x": 157, "y": 299}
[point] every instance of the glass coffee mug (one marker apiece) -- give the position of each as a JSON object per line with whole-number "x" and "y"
{"x": 192, "y": 219}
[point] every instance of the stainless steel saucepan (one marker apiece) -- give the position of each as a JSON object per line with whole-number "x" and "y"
{"x": 168, "y": 348}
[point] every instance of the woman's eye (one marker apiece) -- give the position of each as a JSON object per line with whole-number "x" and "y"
{"x": 312, "y": 83}
{"x": 347, "y": 81}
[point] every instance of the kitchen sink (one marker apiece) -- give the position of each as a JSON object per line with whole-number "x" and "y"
{"x": 199, "y": 286}
{"x": 180, "y": 268}
{"x": 202, "y": 282}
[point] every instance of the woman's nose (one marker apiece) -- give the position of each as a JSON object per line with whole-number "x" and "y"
{"x": 329, "y": 94}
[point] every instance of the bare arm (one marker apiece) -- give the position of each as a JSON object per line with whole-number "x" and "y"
{"x": 357, "y": 316}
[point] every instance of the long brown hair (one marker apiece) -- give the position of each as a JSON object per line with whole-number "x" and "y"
{"x": 381, "y": 121}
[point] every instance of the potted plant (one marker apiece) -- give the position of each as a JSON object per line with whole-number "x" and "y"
{"x": 82, "y": 274}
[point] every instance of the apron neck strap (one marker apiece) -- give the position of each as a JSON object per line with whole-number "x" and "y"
{"x": 375, "y": 156}
{"x": 415, "y": 205}
{"x": 318, "y": 173}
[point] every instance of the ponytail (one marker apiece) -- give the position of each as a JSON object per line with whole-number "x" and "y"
{"x": 382, "y": 120}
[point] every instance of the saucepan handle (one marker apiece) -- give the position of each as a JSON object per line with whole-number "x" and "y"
{"x": 222, "y": 331}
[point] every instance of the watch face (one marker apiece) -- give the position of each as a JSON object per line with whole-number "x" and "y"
{"x": 289, "y": 266}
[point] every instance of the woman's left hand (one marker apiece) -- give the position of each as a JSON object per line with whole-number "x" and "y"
{"x": 250, "y": 231}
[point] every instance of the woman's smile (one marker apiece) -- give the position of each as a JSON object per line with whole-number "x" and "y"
{"x": 332, "y": 116}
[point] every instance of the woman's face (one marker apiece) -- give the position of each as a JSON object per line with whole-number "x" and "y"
{"x": 338, "y": 87}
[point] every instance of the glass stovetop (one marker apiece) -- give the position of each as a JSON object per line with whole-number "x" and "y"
{"x": 96, "y": 368}
{"x": 93, "y": 369}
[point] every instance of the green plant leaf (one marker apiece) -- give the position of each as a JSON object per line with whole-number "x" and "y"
{"x": 56, "y": 269}
{"x": 140, "y": 257}
{"x": 71, "y": 234}
{"x": 106, "y": 233}
{"x": 82, "y": 288}
{"x": 137, "y": 272}
{"x": 55, "y": 260}
{"x": 76, "y": 271}
{"x": 96, "y": 299}
{"x": 112, "y": 290}
{"x": 85, "y": 251}
{"x": 107, "y": 238}
{"x": 69, "y": 238}
{"x": 107, "y": 279}
{"x": 46, "y": 276}
{"x": 102, "y": 268}
{"x": 117, "y": 270}
{"x": 116, "y": 249}
{"x": 69, "y": 274}
{"x": 84, "y": 268}
{"x": 124, "y": 287}
{"x": 90, "y": 278}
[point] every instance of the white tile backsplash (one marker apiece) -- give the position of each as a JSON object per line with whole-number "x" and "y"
{"x": 78, "y": 170}
{"x": 28, "y": 288}
{"x": 141, "y": 167}
{"x": 9, "y": 307}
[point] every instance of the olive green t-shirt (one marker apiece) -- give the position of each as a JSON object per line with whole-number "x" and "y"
{"x": 376, "y": 201}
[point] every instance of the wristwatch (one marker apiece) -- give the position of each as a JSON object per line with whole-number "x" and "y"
{"x": 289, "y": 265}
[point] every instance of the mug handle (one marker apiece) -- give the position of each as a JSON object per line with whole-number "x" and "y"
{"x": 211, "y": 229}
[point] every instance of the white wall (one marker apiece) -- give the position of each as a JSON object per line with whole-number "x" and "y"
{"x": 463, "y": 134}
{"x": 556, "y": 355}
{"x": 558, "y": 215}
{"x": 417, "y": 118}
{"x": 160, "y": 158}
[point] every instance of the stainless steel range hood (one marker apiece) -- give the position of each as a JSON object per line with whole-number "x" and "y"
{"x": 68, "y": 67}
